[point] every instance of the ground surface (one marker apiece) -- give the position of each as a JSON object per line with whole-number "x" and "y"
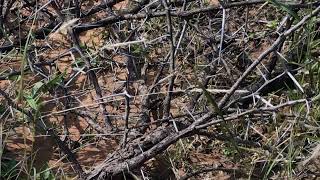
{"x": 70, "y": 71}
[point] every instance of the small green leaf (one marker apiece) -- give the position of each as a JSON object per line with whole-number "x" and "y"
{"x": 211, "y": 101}
{"x": 37, "y": 87}
{"x": 78, "y": 63}
{"x": 83, "y": 46}
{"x": 14, "y": 77}
{"x": 227, "y": 152}
{"x": 46, "y": 174}
{"x": 251, "y": 35}
{"x": 56, "y": 80}
{"x": 32, "y": 102}
{"x": 2, "y": 109}
{"x": 272, "y": 24}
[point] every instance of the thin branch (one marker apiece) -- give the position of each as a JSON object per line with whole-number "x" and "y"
{"x": 167, "y": 101}
{"x": 71, "y": 156}
{"x": 272, "y": 48}
{"x": 180, "y": 14}
{"x": 93, "y": 78}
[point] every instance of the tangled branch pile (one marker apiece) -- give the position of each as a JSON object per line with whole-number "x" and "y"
{"x": 140, "y": 81}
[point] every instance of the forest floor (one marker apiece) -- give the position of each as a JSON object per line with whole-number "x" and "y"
{"x": 144, "y": 89}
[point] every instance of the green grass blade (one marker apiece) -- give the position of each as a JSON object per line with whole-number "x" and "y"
{"x": 285, "y": 8}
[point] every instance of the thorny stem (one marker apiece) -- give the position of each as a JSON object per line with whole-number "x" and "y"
{"x": 167, "y": 101}
{"x": 272, "y": 48}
